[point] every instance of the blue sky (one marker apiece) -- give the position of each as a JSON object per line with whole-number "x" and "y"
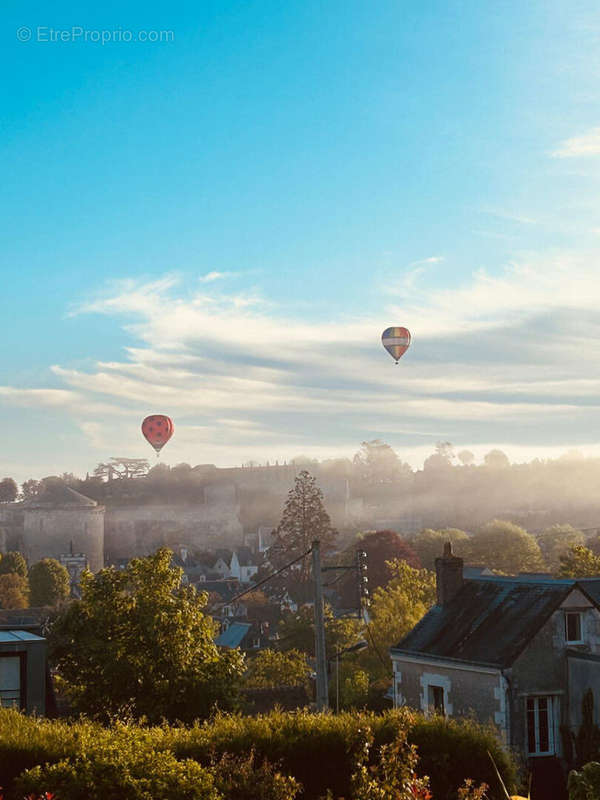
{"x": 219, "y": 225}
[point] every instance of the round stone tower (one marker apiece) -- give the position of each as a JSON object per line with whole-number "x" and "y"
{"x": 61, "y": 520}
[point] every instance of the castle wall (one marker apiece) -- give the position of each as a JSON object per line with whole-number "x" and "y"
{"x": 49, "y": 533}
{"x": 11, "y": 526}
{"x": 140, "y": 530}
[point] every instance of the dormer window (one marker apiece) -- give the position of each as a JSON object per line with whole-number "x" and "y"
{"x": 573, "y": 627}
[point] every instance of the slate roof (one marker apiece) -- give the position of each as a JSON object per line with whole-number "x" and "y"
{"x": 227, "y": 589}
{"x": 60, "y": 495}
{"x": 591, "y": 587}
{"x": 244, "y": 556}
{"x": 490, "y": 620}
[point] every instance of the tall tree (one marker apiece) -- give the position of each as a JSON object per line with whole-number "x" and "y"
{"x": 49, "y": 583}
{"x": 442, "y": 458}
{"x": 13, "y": 562}
{"x": 304, "y": 519}
{"x": 122, "y": 468}
{"x": 8, "y": 490}
{"x": 270, "y": 669}
{"x": 466, "y": 457}
{"x": 381, "y": 548}
{"x": 496, "y": 459}
{"x": 297, "y": 631}
{"x": 139, "y": 640}
{"x": 429, "y": 544}
{"x": 31, "y": 488}
{"x": 13, "y": 591}
{"x": 579, "y": 562}
{"x": 376, "y": 462}
{"x": 395, "y": 609}
{"x": 556, "y": 541}
{"x": 505, "y": 547}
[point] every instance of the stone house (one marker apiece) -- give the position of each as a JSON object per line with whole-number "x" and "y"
{"x": 519, "y": 652}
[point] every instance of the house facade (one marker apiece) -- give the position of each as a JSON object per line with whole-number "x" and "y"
{"x": 519, "y": 652}
{"x": 23, "y": 671}
{"x": 242, "y": 565}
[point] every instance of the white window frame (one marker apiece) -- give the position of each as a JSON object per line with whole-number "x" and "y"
{"x": 432, "y": 689}
{"x": 552, "y": 740}
{"x": 581, "y": 640}
{"x": 441, "y": 681}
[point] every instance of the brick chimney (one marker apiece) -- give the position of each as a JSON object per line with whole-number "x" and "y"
{"x": 448, "y": 575}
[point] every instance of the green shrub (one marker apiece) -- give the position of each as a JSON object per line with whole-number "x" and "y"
{"x": 393, "y": 776}
{"x": 27, "y": 742}
{"x": 452, "y": 750}
{"x": 246, "y": 779}
{"x": 115, "y": 773}
{"x": 319, "y": 751}
{"x": 584, "y": 784}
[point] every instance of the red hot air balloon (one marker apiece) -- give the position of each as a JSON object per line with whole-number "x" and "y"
{"x": 158, "y": 429}
{"x": 396, "y": 341}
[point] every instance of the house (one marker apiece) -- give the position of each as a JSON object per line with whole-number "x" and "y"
{"x": 242, "y": 565}
{"x": 233, "y": 635}
{"x": 225, "y": 590}
{"x": 23, "y": 671}
{"x": 520, "y": 652}
{"x": 246, "y": 636}
{"x": 221, "y": 565}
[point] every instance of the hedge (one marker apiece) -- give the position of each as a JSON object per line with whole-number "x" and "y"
{"x": 319, "y": 751}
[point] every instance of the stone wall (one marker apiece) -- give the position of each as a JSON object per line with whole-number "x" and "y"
{"x": 49, "y": 533}
{"x": 476, "y": 691}
{"x": 140, "y": 530}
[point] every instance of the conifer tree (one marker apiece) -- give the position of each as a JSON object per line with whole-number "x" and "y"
{"x": 304, "y": 519}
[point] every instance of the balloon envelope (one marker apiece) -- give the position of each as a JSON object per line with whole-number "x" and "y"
{"x": 158, "y": 429}
{"x": 396, "y": 341}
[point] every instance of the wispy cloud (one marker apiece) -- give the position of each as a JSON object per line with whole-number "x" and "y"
{"x": 516, "y": 352}
{"x": 587, "y": 144}
{"x": 211, "y": 277}
{"x": 509, "y": 216}
{"x": 425, "y": 261}
{"x": 407, "y": 284}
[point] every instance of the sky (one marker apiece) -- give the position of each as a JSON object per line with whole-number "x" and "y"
{"x": 213, "y": 209}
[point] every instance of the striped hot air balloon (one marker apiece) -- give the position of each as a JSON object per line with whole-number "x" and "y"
{"x": 396, "y": 341}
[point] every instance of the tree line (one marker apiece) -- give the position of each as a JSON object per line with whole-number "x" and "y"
{"x": 45, "y": 583}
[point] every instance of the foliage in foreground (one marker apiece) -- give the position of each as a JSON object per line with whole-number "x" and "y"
{"x": 139, "y": 640}
{"x": 286, "y": 750}
{"x": 584, "y": 784}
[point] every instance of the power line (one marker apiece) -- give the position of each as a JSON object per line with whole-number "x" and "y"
{"x": 265, "y": 580}
{"x": 379, "y": 656}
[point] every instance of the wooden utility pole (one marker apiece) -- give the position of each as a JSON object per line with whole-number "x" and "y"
{"x": 320, "y": 652}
